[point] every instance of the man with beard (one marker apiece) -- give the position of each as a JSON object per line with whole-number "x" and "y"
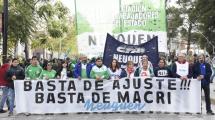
{"x": 99, "y": 71}
{"x": 202, "y": 71}
{"x": 82, "y": 68}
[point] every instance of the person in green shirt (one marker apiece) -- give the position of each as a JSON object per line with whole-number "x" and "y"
{"x": 48, "y": 72}
{"x": 99, "y": 71}
{"x": 33, "y": 71}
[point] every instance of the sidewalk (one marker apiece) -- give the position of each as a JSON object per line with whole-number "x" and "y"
{"x": 212, "y": 92}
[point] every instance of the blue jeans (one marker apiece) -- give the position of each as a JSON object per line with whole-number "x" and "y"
{"x": 11, "y": 98}
{"x": 4, "y": 97}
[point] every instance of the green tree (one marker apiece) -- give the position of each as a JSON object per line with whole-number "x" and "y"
{"x": 206, "y": 11}
{"x": 35, "y": 19}
{"x": 60, "y": 29}
{"x": 83, "y": 25}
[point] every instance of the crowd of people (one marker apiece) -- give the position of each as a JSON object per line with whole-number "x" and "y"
{"x": 182, "y": 67}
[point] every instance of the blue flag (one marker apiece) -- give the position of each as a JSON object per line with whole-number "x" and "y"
{"x": 124, "y": 52}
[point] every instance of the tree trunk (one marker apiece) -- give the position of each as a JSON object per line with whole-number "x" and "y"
{"x": 189, "y": 37}
{"x": 16, "y": 49}
{"x": 26, "y": 50}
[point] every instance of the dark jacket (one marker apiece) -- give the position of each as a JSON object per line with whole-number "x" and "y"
{"x": 69, "y": 72}
{"x": 175, "y": 75}
{"x": 18, "y": 72}
{"x": 123, "y": 74}
{"x": 197, "y": 72}
{"x": 138, "y": 70}
{"x": 77, "y": 70}
{"x": 3, "y": 70}
{"x": 162, "y": 72}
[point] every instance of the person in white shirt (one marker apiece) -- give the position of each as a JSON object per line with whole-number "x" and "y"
{"x": 181, "y": 68}
{"x": 63, "y": 72}
{"x": 114, "y": 70}
{"x": 144, "y": 70}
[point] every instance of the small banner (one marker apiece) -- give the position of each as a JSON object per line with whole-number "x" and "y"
{"x": 137, "y": 94}
{"x": 124, "y": 53}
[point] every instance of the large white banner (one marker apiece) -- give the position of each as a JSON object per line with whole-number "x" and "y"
{"x": 137, "y": 94}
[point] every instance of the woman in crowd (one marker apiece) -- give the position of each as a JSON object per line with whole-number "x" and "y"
{"x": 48, "y": 72}
{"x": 144, "y": 71}
{"x": 128, "y": 71}
{"x": 64, "y": 72}
{"x": 162, "y": 70}
{"x": 114, "y": 70}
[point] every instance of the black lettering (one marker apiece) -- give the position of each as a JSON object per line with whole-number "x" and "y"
{"x": 92, "y": 40}
{"x": 160, "y": 83}
{"x": 137, "y": 83}
{"x": 62, "y": 97}
{"x": 80, "y": 98}
{"x": 87, "y": 85}
{"x": 95, "y": 97}
{"x": 172, "y": 84}
{"x": 27, "y": 86}
{"x": 124, "y": 98}
{"x": 71, "y": 86}
{"x": 128, "y": 84}
{"x": 71, "y": 96}
{"x": 52, "y": 85}
{"x": 122, "y": 39}
{"x": 137, "y": 97}
{"x": 129, "y": 39}
{"x": 140, "y": 38}
{"x": 62, "y": 82}
{"x": 99, "y": 85}
{"x": 169, "y": 97}
{"x": 39, "y": 97}
{"x": 106, "y": 97}
{"x": 39, "y": 86}
{"x": 116, "y": 84}
{"x": 148, "y": 82}
{"x": 160, "y": 97}
{"x": 50, "y": 98}
{"x": 146, "y": 97}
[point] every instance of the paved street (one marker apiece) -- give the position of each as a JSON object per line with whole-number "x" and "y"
{"x": 114, "y": 116}
{"x": 120, "y": 116}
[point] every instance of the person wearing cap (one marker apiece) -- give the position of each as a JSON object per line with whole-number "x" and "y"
{"x": 202, "y": 71}
{"x": 99, "y": 71}
{"x": 181, "y": 68}
{"x": 82, "y": 68}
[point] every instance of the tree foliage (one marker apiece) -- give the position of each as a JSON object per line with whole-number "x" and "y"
{"x": 39, "y": 22}
{"x": 198, "y": 24}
